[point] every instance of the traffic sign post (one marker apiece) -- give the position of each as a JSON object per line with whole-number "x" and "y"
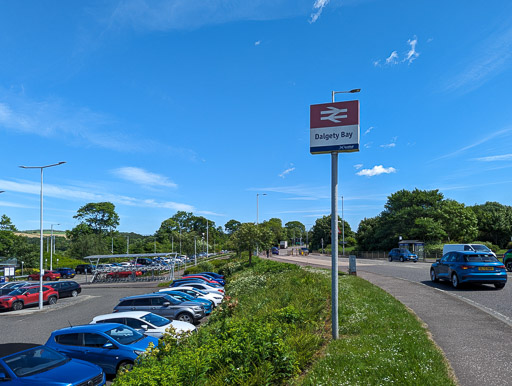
{"x": 334, "y": 128}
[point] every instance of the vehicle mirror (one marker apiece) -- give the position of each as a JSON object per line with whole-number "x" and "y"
{"x": 167, "y": 304}
{"x": 144, "y": 327}
{"x": 108, "y": 345}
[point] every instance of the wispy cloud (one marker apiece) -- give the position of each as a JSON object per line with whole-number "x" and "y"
{"x": 391, "y": 144}
{"x": 493, "y": 55}
{"x": 410, "y": 55}
{"x": 143, "y": 177}
{"x": 376, "y": 170}
{"x": 368, "y": 130}
{"x": 393, "y": 58}
{"x": 257, "y": 43}
{"x": 503, "y": 157}
{"x": 358, "y": 166}
{"x": 15, "y": 205}
{"x": 318, "y": 8}
{"x": 368, "y": 145}
{"x": 287, "y": 171}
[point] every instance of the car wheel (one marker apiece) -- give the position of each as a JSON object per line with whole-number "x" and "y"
{"x": 508, "y": 264}
{"x": 433, "y": 275}
{"x": 455, "y": 280}
{"x": 125, "y": 365}
{"x": 499, "y": 285}
{"x": 52, "y": 300}
{"x": 17, "y": 306}
{"x": 390, "y": 258}
{"x": 185, "y": 317}
{"x": 402, "y": 259}
{"x": 74, "y": 293}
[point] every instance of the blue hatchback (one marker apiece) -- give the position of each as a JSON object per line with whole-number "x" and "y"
{"x": 402, "y": 254}
{"x": 469, "y": 267}
{"x": 112, "y": 346}
{"x": 42, "y": 365}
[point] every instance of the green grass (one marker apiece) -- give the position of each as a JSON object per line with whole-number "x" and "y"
{"x": 274, "y": 328}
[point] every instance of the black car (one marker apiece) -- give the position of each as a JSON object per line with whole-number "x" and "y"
{"x": 83, "y": 268}
{"x": 66, "y": 273}
{"x": 66, "y": 288}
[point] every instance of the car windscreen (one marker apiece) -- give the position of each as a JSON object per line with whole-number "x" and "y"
{"x": 124, "y": 335}
{"x": 480, "y": 258}
{"x": 155, "y": 320}
{"x": 35, "y": 361}
{"x": 182, "y": 296}
{"x": 18, "y": 291}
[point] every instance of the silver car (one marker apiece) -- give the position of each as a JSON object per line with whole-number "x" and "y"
{"x": 163, "y": 305}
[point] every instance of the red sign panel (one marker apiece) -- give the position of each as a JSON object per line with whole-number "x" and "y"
{"x": 334, "y": 114}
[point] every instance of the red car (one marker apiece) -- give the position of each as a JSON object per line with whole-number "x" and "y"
{"x": 122, "y": 274}
{"x": 201, "y": 277}
{"x": 48, "y": 275}
{"x": 24, "y": 296}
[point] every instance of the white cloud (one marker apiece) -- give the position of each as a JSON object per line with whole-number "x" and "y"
{"x": 318, "y": 6}
{"x": 358, "y": 166}
{"x": 143, "y": 177}
{"x": 503, "y": 157}
{"x": 393, "y": 58}
{"x": 15, "y": 205}
{"x": 284, "y": 173}
{"x": 376, "y": 170}
{"x": 368, "y": 145}
{"x": 257, "y": 43}
{"x": 388, "y": 145}
{"x": 368, "y": 130}
{"x": 412, "y": 54}
{"x": 376, "y": 63}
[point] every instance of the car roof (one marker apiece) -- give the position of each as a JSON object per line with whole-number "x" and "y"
{"x": 142, "y": 296}
{"x": 102, "y": 327}
{"x": 127, "y": 314}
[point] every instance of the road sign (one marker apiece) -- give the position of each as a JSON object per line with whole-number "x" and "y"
{"x": 334, "y": 127}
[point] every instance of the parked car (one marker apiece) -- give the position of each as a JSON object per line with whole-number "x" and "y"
{"x": 206, "y": 277}
{"x": 25, "y": 296}
{"x": 467, "y": 248}
{"x": 67, "y": 273}
{"x": 197, "y": 285}
{"x": 216, "y": 298}
{"x": 122, "y": 274}
{"x": 66, "y": 288}
{"x": 112, "y": 346}
{"x": 198, "y": 280}
{"x": 183, "y": 297}
{"x": 11, "y": 286}
{"x": 214, "y": 274}
{"x": 469, "y": 267}
{"x": 304, "y": 251}
{"x": 275, "y": 250}
{"x": 163, "y": 305}
{"x": 84, "y": 268}
{"x": 402, "y": 254}
{"x": 507, "y": 260}
{"x": 47, "y": 276}
{"x": 42, "y": 365}
{"x": 144, "y": 322}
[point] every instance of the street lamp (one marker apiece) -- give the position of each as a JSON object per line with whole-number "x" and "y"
{"x": 257, "y": 195}
{"x": 51, "y": 246}
{"x": 41, "y": 273}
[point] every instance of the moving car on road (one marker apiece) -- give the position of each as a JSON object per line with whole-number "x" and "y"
{"x": 112, "y": 346}
{"x": 402, "y": 254}
{"x": 469, "y": 267}
{"x": 145, "y": 322}
{"x": 42, "y": 365}
{"x": 25, "y": 296}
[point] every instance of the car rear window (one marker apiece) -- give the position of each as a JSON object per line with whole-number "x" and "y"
{"x": 482, "y": 258}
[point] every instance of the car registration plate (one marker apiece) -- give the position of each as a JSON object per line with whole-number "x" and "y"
{"x": 485, "y": 268}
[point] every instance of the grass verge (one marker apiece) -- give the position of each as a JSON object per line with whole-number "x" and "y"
{"x": 274, "y": 329}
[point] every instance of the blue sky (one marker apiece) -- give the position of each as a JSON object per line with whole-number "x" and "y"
{"x": 161, "y": 106}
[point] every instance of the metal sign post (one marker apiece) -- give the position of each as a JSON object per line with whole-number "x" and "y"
{"x": 334, "y": 129}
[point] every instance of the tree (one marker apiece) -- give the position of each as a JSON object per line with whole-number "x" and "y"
{"x": 232, "y": 226}
{"x": 101, "y": 217}
{"x": 322, "y": 230}
{"x": 459, "y": 222}
{"x": 275, "y": 225}
{"x": 251, "y": 236}
{"x": 295, "y": 229}
{"x": 494, "y": 222}
{"x": 8, "y": 239}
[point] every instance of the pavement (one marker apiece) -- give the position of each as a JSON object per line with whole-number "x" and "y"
{"x": 477, "y": 344}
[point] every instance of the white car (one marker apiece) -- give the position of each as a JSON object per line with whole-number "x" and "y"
{"x": 203, "y": 287}
{"x": 145, "y": 322}
{"x": 215, "y": 297}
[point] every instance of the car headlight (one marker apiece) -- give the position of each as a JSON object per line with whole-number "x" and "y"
{"x": 196, "y": 308}
{"x": 138, "y": 352}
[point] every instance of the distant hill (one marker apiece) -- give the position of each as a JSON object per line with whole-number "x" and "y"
{"x": 36, "y": 233}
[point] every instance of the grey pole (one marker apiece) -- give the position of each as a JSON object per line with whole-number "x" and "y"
{"x": 334, "y": 241}
{"x": 342, "y": 227}
{"x": 206, "y": 238}
{"x": 52, "y": 246}
{"x": 195, "y": 250}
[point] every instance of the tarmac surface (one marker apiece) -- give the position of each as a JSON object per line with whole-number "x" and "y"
{"x": 477, "y": 344}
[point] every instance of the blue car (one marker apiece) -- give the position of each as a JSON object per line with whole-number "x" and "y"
{"x": 469, "y": 267}
{"x": 182, "y": 282}
{"x": 42, "y": 365}
{"x": 214, "y": 274}
{"x": 402, "y": 254}
{"x": 112, "y": 346}
{"x": 183, "y": 297}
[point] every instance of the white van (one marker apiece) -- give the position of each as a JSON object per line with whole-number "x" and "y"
{"x": 467, "y": 247}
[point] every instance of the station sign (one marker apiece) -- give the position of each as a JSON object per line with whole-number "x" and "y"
{"x": 334, "y": 127}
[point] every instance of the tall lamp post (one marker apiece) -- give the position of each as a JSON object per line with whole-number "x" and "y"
{"x": 51, "y": 247}
{"x": 41, "y": 271}
{"x": 257, "y": 195}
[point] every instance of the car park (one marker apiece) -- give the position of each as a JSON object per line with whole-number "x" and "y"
{"x": 163, "y": 305}
{"x": 66, "y": 273}
{"x": 42, "y": 365}
{"x": 112, "y": 346}
{"x": 24, "y": 296}
{"x": 402, "y": 254}
{"x": 84, "y": 268}
{"x": 469, "y": 267}
{"x": 507, "y": 260}
{"x": 123, "y": 274}
{"x": 216, "y": 298}
{"x": 147, "y": 323}
{"x": 66, "y": 288}
{"x": 197, "y": 285}
{"x": 183, "y": 297}
{"x": 47, "y": 276}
